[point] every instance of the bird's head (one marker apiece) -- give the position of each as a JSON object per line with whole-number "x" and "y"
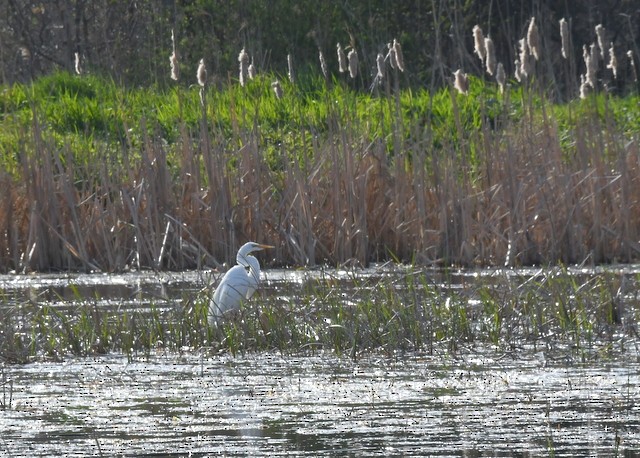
{"x": 250, "y": 247}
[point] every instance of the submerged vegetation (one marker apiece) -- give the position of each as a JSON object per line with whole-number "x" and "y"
{"x": 559, "y": 312}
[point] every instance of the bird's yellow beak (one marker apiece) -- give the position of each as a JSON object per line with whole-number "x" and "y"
{"x": 265, "y": 247}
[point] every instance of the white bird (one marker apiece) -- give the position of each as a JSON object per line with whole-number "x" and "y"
{"x": 238, "y": 284}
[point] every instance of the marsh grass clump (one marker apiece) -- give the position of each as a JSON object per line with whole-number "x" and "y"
{"x": 553, "y": 309}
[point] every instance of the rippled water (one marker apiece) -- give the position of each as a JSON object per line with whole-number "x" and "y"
{"x": 321, "y": 406}
{"x": 480, "y": 403}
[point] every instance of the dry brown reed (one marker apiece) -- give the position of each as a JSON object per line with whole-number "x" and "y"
{"x": 341, "y": 198}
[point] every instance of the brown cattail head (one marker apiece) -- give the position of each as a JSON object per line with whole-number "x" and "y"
{"x": 491, "y": 56}
{"x": 461, "y": 82}
{"x": 533, "y": 39}
{"x": 501, "y": 77}
{"x": 479, "y": 43}
{"x": 243, "y": 59}
{"x": 613, "y": 62}
{"x": 323, "y": 65}
{"x": 173, "y": 60}
{"x": 342, "y": 59}
{"x": 290, "y": 72}
{"x": 398, "y": 54}
{"x": 352, "y": 57}
{"x": 202, "y": 73}
{"x": 251, "y": 71}
{"x": 277, "y": 89}
{"x": 600, "y": 33}
{"x": 564, "y": 36}
{"x": 380, "y": 67}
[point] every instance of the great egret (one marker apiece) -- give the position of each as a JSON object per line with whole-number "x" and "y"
{"x": 238, "y": 284}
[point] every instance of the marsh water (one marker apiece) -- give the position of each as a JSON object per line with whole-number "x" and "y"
{"x": 481, "y": 402}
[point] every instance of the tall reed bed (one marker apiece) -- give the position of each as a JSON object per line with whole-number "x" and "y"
{"x": 97, "y": 177}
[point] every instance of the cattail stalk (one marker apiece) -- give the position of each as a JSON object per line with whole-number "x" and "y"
{"x": 342, "y": 59}
{"x": 533, "y": 39}
{"x": 380, "y": 67}
{"x": 391, "y": 55}
{"x": 564, "y": 36}
{"x": 290, "y": 71}
{"x": 501, "y": 77}
{"x": 277, "y": 89}
{"x": 491, "y": 56}
{"x": 243, "y": 59}
{"x": 591, "y": 64}
{"x": 78, "y": 67}
{"x": 173, "y": 60}
{"x": 632, "y": 64}
{"x": 461, "y": 82}
{"x": 613, "y": 62}
{"x": 398, "y": 55}
{"x": 323, "y": 65}
{"x": 600, "y": 33}
{"x": 526, "y": 65}
{"x": 352, "y": 57}
{"x": 479, "y": 43}
{"x": 202, "y": 73}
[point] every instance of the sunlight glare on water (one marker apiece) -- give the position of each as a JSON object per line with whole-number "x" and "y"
{"x": 319, "y": 405}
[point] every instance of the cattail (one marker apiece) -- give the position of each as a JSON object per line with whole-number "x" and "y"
{"x": 398, "y": 54}
{"x": 479, "y": 43}
{"x": 290, "y": 68}
{"x": 526, "y": 65}
{"x": 584, "y": 87}
{"x": 77, "y": 63}
{"x": 501, "y": 77}
{"x": 277, "y": 89}
{"x": 202, "y": 73}
{"x": 564, "y": 35}
{"x": 517, "y": 74}
{"x": 251, "y": 71}
{"x": 632, "y": 64}
{"x": 323, "y": 65}
{"x": 352, "y": 57}
{"x": 391, "y": 55}
{"x": 461, "y": 82}
{"x": 342, "y": 59}
{"x": 491, "y": 56}
{"x": 600, "y": 32}
{"x": 533, "y": 39}
{"x": 380, "y": 67}
{"x": 173, "y": 60}
{"x": 591, "y": 64}
{"x": 613, "y": 62}
{"x": 243, "y": 59}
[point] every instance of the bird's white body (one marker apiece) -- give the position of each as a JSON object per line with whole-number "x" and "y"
{"x": 237, "y": 285}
